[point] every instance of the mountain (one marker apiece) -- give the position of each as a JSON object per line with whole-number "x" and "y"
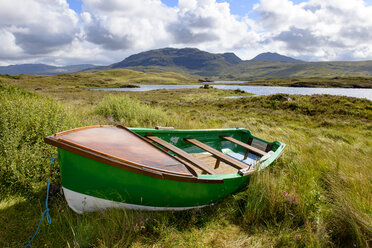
{"x": 274, "y": 57}
{"x": 198, "y": 64}
{"x": 192, "y": 61}
{"x": 231, "y": 58}
{"x": 228, "y": 66}
{"x": 187, "y": 58}
{"x": 42, "y": 69}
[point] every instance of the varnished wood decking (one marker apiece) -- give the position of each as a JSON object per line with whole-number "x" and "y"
{"x": 184, "y": 155}
{"x": 210, "y": 160}
{"x": 246, "y": 146}
{"x": 123, "y": 145}
{"x": 218, "y": 154}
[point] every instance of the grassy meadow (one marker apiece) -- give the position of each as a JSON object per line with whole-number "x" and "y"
{"x": 318, "y": 194}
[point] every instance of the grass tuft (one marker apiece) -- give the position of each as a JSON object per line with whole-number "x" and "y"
{"x": 131, "y": 112}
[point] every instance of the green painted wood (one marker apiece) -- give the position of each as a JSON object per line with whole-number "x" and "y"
{"x": 87, "y": 176}
{"x": 100, "y": 180}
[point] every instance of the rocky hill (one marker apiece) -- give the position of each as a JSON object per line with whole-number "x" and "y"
{"x": 274, "y": 57}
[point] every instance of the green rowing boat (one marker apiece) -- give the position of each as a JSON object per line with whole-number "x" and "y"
{"x": 157, "y": 169}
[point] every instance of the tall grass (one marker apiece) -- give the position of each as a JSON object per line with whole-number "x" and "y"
{"x": 317, "y": 195}
{"x": 132, "y": 112}
{"x": 347, "y": 223}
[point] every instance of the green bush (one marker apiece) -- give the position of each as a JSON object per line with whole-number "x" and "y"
{"x": 206, "y": 87}
{"x": 25, "y": 119}
{"x": 132, "y": 112}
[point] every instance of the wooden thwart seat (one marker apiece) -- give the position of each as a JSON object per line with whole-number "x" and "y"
{"x": 246, "y": 146}
{"x": 184, "y": 155}
{"x": 218, "y": 154}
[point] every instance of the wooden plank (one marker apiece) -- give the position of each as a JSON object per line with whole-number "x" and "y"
{"x": 246, "y": 154}
{"x": 246, "y": 146}
{"x": 209, "y": 159}
{"x": 125, "y": 146}
{"x": 184, "y": 155}
{"x": 218, "y": 154}
{"x": 190, "y": 169}
{"x": 258, "y": 144}
{"x": 51, "y": 140}
{"x": 218, "y": 161}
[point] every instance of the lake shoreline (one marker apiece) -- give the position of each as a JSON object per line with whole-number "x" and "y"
{"x": 257, "y": 90}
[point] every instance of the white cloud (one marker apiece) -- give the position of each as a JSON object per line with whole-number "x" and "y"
{"x": 8, "y": 48}
{"x": 127, "y": 24}
{"x": 37, "y": 27}
{"x": 109, "y": 30}
{"x": 319, "y": 29}
{"x": 208, "y": 25}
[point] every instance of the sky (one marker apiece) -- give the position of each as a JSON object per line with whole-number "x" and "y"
{"x": 102, "y": 32}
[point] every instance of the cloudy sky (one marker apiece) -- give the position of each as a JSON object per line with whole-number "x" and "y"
{"x": 101, "y": 32}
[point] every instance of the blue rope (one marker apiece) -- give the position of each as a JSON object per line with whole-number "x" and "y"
{"x": 46, "y": 212}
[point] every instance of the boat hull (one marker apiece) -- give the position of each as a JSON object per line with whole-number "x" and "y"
{"x": 81, "y": 203}
{"x": 90, "y": 185}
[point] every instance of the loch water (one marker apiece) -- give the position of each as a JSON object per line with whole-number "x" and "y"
{"x": 260, "y": 90}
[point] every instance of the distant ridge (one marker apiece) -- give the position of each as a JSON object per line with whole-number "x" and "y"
{"x": 202, "y": 65}
{"x": 231, "y": 58}
{"x": 228, "y": 66}
{"x": 42, "y": 69}
{"x": 274, "y": 57}
{"x": 189, "y": 58}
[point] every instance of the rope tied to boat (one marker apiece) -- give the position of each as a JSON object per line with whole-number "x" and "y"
{"x": 46, "y": 211}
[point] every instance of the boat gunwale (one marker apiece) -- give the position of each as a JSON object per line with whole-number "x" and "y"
{"x": 79, "y": 128}
{"x": 123, "y": 160}
{"x": 191, "y": 170}
{"x": 132, "y": 167}
{"x": 153, "y": 131}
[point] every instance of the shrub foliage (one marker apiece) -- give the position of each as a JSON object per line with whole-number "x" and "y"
{"x": 25, "y": 119}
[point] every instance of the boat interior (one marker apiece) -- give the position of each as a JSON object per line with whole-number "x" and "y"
{"x": 185, "y": 153}
{"x": 212, "y": 161}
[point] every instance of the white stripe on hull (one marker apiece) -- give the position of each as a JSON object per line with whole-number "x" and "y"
{"x": 81, "y": 203}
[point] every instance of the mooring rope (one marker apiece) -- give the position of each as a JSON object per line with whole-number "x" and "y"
{"x": 46, "y": 211}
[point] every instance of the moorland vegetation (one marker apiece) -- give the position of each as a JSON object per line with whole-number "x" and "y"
{"x": 318, "y": 194}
